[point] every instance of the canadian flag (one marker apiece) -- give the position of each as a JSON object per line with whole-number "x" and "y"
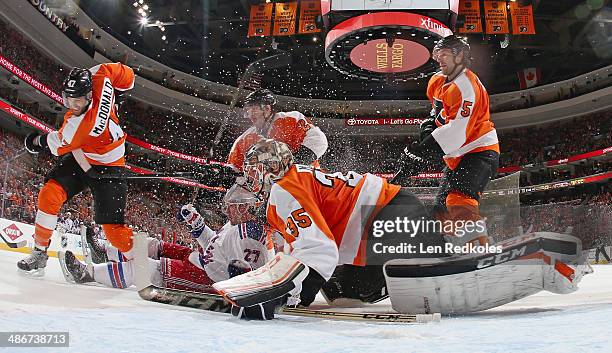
{"x": 529, "y": 77}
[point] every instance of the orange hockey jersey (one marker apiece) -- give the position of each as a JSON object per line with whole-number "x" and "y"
{"x": 461, "y": 108}
{"x": 96, "y": 133}
{"x": 292, "y": 128}
{"x": 320, "y": 215}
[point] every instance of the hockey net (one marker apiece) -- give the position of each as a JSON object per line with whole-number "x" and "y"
{"x": 499, "y": 204}
{"x": 506, "y": 216}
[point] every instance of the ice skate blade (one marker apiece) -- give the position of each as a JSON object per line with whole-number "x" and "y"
{"x": 32, "y": 274}
{"x": 61, "y": 256}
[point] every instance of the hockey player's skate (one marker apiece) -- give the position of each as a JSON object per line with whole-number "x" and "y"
{"x": 74, "y": 270}
{"x": 97, "y": 249}
{"x": 34, "y": 264}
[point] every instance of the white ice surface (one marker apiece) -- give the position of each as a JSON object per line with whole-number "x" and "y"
{"x": 111, "y": 320}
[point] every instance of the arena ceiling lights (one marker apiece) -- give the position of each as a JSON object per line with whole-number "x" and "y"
{"x": 383, "y": 46}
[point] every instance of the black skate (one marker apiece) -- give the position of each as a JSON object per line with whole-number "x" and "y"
{"x": 74, "y": 270}
{"x": 34, "y": 264}
{"x": 97, "y": 250}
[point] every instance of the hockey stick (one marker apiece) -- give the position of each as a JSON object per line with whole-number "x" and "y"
{"x": 270, "y": 62}
{"x": 215, "y": 302}
{"x": 193, "y": 175}
{"x": 196, "y": 300}
{"x": 12, "y": 244}
{"x": 149, "y": 291}
{"x": 84, "y": 246}
{"x": 371, "y": 317}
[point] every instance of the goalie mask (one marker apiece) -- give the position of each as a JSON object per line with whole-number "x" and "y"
{"x": 240, "y": 205}
{"x": 266, "y": 162}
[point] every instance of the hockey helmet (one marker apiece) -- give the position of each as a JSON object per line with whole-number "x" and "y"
{"x": 456, "y": 44}
{"x": 77, "y": 84}
{"x": 260, "y": 97}
{"x": 240, "y": 204}
{"x": 266, "y": 162}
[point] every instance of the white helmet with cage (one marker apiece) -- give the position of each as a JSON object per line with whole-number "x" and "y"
{"x": 239, "y": 204}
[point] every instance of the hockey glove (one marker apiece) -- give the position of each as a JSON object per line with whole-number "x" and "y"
{"x": 426, "y": 128}
{"x": 194, "y": 220}
{"x": 36, "y": 143}
{"x": 411, "y": 163}
{"x": 429, "y": 149}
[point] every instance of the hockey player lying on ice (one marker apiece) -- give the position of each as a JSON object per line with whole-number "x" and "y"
{"x": 325, "y": 220}
{"x": 238, "y": 247}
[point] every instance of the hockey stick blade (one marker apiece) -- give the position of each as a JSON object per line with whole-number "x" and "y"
{"x": 12, "y": 244}
{"x": 196, "y": 300}
{"x": 271, "y": 62}
{"x": 368, "y": 317}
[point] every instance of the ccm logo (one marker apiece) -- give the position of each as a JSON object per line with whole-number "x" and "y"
{"x": 503, "y": 257}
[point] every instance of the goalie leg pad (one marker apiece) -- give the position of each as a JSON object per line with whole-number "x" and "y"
{"x": 469, "y": 283}
{"x": 282, "y": 275}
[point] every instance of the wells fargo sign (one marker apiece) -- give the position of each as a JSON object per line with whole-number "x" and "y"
{"x": 378, "y": 56}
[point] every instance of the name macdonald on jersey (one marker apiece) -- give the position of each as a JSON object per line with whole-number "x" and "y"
{"x": 104, "y": 108}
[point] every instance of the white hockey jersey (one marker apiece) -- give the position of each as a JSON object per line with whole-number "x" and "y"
{"x": 246, "y": 241}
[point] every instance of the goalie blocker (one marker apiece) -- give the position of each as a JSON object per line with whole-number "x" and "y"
{"x": 283, "y": 280}
{"x": 469, "y": 283}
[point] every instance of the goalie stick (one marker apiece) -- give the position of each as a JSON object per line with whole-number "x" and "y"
{"x": 215, "y": 302}
{"x": 196, "y": 300}
{"x": 371, "y": 317}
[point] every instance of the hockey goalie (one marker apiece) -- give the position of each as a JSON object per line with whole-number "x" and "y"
{"x": 237, "y": 247}
{"x": 326, "y": 220}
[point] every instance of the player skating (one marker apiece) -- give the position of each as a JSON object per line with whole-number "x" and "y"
{"x": 91, "y": 143}
{"x": 238, "y": 247}
{"x": 461, "y": 132}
